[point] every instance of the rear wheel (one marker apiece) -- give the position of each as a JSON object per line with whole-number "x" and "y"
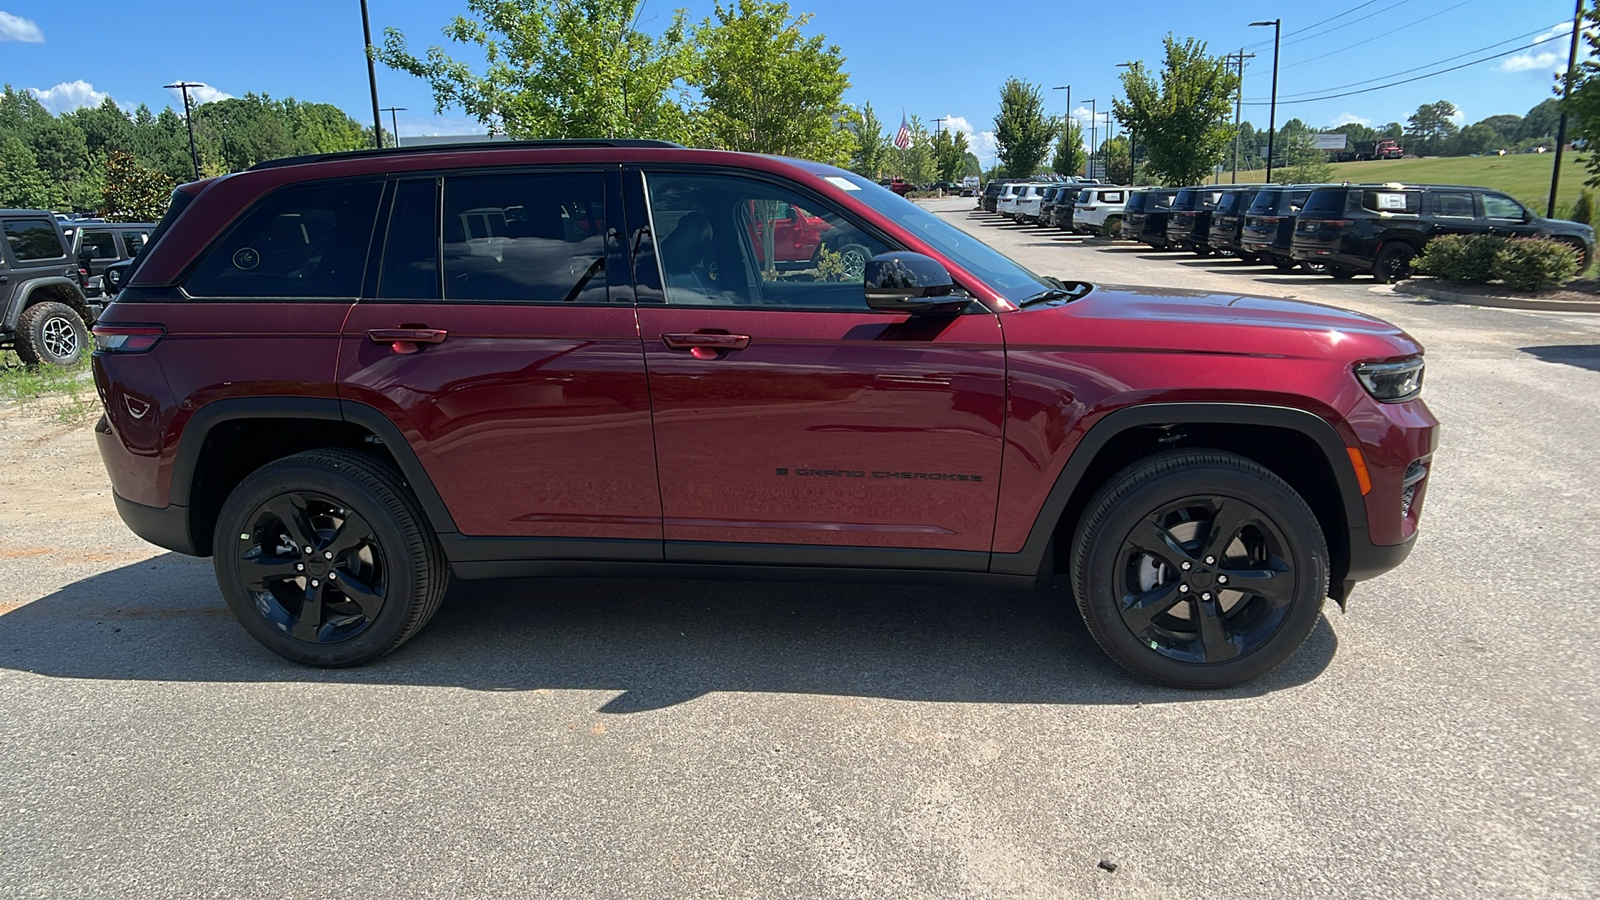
{"x": 1284, "y": 265}
{"x": 326, "y": 558}
{"x": 1199, "y": 569}
{"x": 51, "y": 333}
{"x": 1342, "y": 273}
{"x": 1113, "y": 227}
{"x": 1393, "y": 263}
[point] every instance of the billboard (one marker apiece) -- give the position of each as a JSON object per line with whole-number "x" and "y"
{"x": 1331, "y": 140}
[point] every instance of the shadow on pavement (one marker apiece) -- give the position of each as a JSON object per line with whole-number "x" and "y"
{"x": 1584, "y": 356}
{"x": 659, "y": 642}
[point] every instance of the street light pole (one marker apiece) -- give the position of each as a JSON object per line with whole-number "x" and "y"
{"x": 188, "y": 118}
{"x": 1238, "y": 107}
{"x": 372, "y": 77}
{"x": 1133, "y": 157}
{"x": 1272, "y": 117}
{"x": 1094, "y": 134}
{"x": 1566, "y": 94}
{"x": 394, "y": 122}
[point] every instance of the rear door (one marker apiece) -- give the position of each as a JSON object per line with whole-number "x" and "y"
{"x": 792, "y": 422}
{"x": 499, "y": 336}
{"x": 1455, "y": 212}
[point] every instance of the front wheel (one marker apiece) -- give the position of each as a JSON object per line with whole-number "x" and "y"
{"x": 1393, "y": 264}
{"x": 327, "y": 559}
{"x": 853, "y": 258}
{"x": 1113, "y": 227}
{"x": 1199, "y": 569}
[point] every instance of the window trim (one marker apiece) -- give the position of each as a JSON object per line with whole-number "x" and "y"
{"x": 1471, "y": 200}
{"x": 642, "y": 184}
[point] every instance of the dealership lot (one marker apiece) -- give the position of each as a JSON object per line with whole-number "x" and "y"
{"x": 669, "y": 739}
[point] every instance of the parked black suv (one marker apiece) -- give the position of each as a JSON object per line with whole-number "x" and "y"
{"x": 43, "y": 313}
{"x": 1054, "y": 201}
{"x": 1227, "y": 220}
{"x": 1381, "y": 228}
{"x": 100, "y": 244}
{"x": 1269, "y": 223}
{"x": 1145, "y": 218}
{"x": 1189, "y": 225}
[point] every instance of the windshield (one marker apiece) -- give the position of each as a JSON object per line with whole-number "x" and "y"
{"x": 1007, "y": 278}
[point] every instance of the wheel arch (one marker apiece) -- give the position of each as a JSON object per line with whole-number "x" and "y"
{"x": 226, "y": 440}
{"x": 1297, "y": 445}
{"x": 41, "y": 290}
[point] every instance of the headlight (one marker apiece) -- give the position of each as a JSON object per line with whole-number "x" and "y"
{"x": 1392, "y": 382}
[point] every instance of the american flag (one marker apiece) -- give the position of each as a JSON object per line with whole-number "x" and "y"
{"x": 903, "y": 139}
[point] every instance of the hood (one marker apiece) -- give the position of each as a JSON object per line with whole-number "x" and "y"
{"x": 1151, "y": 318}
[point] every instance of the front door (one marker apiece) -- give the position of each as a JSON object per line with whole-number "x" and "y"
{"x": 501, "y": 340}
{"x": 788, "y": 415}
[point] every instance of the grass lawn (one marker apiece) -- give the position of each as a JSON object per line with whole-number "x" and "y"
{"x": 1525, "y": 176}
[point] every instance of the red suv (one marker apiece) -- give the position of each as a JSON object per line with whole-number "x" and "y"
{"x": 345, "y": 377}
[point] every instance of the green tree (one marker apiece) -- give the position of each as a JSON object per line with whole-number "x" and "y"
{"x": 1069, "y": 157}
{"x": 1119, "y": 166}
{"x": 950, "y": 155}
{"x": 916, "y": 163}
{"x": 1508, "y": 125}
{"x": 1430, "y": 127}
{"x": 23, "y": 185}
{"x": 1182, "y": 123}
{"x": 1022, "y": 134}
{"x": 1541, "y": 122}
{"x": 970, "y": 165}
{"x": 1298, "y": 159}
{"x": 134, "y": 192}
{"x": 560, "y": 68}
{"x": 768, "y": 88}
{"x": 869, "y": 150}
{"x": 1476, "y": 138}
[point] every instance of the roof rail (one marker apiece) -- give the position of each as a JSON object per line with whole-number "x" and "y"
{"x": 456, "y": 148}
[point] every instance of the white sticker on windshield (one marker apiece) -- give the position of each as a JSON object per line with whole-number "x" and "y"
{"x": 1391, "y": 201}
{"x": 841, "y": 183}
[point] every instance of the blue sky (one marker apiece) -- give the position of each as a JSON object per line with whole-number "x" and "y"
{"x": 931, "y": 58}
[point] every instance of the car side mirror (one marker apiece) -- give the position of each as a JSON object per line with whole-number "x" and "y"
{"x": 111, "y": 279}
{"x": 903, "y": 282}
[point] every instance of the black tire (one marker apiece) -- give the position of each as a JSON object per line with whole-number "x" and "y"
{"x": 316, "y": 499}
{"x": 1113, "y": 227}
{"x": 1341, "y": 273}
{"x": 1393, "y": 263}
{"x": 51, "y": 333}
{"x": 854, "y": 259}
{"x": 1284, "y": 265}
{"x": 1270, "y": 540}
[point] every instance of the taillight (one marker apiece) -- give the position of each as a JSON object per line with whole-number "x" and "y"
{"x": 126, "y": 338}
{"x": 1270, "y": 220}
{"x": 1337, "y": 223}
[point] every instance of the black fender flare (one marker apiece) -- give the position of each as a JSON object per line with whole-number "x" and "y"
{"x": 1030, "y": 559}
{"x": 207, "y": 417}
{"x": 24, "y": 293}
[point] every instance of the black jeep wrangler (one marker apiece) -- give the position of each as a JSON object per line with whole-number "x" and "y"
{"x": 43, "y": 313}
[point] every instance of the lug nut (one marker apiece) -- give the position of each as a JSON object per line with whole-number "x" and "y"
{"x": 1204, "y": 596}
{"x": 327, "y": 554}
{"x": 1183, "y": 589}
{"x": 1210, "y": 560}
{"x": 310, "y": 550}
{"x": 299, "y": 567}
{"x": 313, "y": 582}
{"x": 1187, "y": 566}
{"x": 333, "y": 576}
{"x": 1222, "y": 579}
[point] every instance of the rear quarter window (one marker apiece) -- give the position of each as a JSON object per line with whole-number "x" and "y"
{"x": 1111, "y": 196}
{"x": 1407, "y": 203}
{"x": 1136, "y": 202}
{"x": 308, "y": 241}
{"x": 34, "y": 239}
{"x": 1324, "y": 203}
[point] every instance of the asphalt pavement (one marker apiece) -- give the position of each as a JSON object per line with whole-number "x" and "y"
{"x": 661, "y": 739}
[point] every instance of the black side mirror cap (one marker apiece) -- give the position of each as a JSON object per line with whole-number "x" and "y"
{"x": 911, "y": 283}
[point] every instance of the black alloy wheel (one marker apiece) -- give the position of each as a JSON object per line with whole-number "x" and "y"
{"x": 1393, "y": 263}
{"x": 51, "y": 333}
{"x": 326, "y": 558}
{"x": 1199, "y": 569}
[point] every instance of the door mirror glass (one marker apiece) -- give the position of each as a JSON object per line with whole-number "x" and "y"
{"x": 903, "y": 282}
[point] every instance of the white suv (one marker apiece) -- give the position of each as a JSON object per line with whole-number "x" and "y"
{"x": 1006, "y": 204}
{"x": 1028, "y": 200}
{"x": 1098, "y": 210}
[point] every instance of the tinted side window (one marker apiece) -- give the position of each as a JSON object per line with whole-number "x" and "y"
{"x": 1497, "y": 207}
{"x": 525, "y": 238}
{"x": 727, "y": 241}
{"x": 98, "y": 245}
{"x": 1136, "y": 202}
{"x": 32, "y": 239}
{"x": 1111, "y": 197}
{"x": 133, "y": 241}
{"x": 1265, "y": 203}
{"x": 1456, "y": 204}
{"x": 308, "y": 241}
{"x": 410, "y": 268}
{"x": 1325, "y": 203}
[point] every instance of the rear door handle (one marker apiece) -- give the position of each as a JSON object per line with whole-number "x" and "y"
{"x": 706, "y": 345}
{"x": 405, "y": 340}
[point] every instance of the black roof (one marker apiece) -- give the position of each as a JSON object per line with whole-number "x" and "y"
{"x": 29, "y": 212}
{"x": 456, "y": 148}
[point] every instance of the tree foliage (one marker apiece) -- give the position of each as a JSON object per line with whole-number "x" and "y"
{"x": 950, "y": 152}
{"x": 869, "y": 146}
{"x": 559, "y": 68}
{"x": 916, "y": 162}
{"x": 1430, "y": 126}
{"x": 1069, "y": 157}
{"x": 1181, "y": 123}
{"x": 768, "y": 88}
{"x": 1119, "y": 165}
{"x": 134, "y": 192}
{"x": 1022, "y": 133}
{"x": 23, "y": 185}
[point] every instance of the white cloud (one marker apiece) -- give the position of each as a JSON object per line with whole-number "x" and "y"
{"x": 69, "y": 95}
{"x": 200, "y": 94}
{"x": 1549, "y": 56}
{"x": 436, "y": 125}
{"x": 1350, "y": 119}
{"x": 981, "y": 143}
{"x": 16, "y": 28}
{"x": 1460, "y": 118}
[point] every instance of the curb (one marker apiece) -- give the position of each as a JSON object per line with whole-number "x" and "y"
{"x": 1427, "y": 290}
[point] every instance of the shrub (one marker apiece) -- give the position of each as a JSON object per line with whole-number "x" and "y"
{"x": 1534, "y": 264}
{"x": 1583, "y": 207}
{"x": 1461, "y": 257}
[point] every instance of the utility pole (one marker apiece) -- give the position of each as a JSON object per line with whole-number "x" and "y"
{"x": 188, "y": 117}
{"x": 394, "y": 122}
{"x": 372, "y": 77}
{"x": 1133, "y": 138}
{"x": 1238, "y": 107}
{"x": 1566, "y": 94}
{"x": 1272, "y": 117}
{"x": 1094, "y": 134}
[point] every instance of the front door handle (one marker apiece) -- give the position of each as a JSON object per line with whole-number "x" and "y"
{"x": 706, "y": 344}
{"x": 405, "y": 340}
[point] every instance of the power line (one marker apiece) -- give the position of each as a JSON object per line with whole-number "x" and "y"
{"x": 1322, "y": 34}
{"x": 1387, "y": 33}
{"x": 1437, "y": 62}
{"x": 1418, "y": 77}
{"x": 1315, "y": 24}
